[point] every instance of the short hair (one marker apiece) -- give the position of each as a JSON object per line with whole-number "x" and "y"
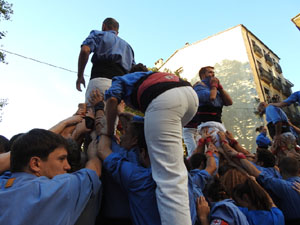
{"x": 204, "y": 69}
{"x": 36, "y": 142}
{"x": 289, "y": 165}
{"x": 139, "y": 68}
{"x": 4, "y": 144}
{"x": 111, "y": 24}
{"x": 266, "y": 157}
{"x": 196, "y": 160}
{"x": 259, "y": 129}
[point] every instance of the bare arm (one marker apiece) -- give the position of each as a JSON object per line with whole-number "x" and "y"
{"x": 4, "y": 162}
{"x": 94, "y": 162}
{"x": 111, "y": 114}
{"x": 280, "y": 104}
{"x": 104, "y": 147}
{"x": 211, "y": 165}
{"x": 82, "y": 61}
{"x": 203, "y": 210}
{"x": 225, "y": 97}
{"x": 58, "y": 128}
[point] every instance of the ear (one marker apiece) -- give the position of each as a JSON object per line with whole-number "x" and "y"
{"x": 35, "y": 165}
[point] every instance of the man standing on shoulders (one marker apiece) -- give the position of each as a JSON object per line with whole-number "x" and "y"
{"x": 112, "y": 57}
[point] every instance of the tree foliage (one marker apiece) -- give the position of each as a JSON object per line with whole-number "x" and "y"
{"x": 3, "y": 102}
{"x": 5, "y": 13}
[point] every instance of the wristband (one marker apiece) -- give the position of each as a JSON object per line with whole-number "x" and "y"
{"x": 220, "y": 87}
{"x": 240, "y": 156}
{"x": 224, "y": 142}
{"x": 232, "y": 142}
{"x": 201, "y": 142}
{"x": 209, "y": 153}
{"x": 208, "y": 140}
{"x": 99, "y": 106}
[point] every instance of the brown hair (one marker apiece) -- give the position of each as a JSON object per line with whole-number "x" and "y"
{"x": 203, "y": 70}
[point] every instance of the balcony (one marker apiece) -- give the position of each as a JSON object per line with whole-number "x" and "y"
{"x": 276, "y": 83}
{"x": 268, "y": 59}
{"x": 265, "y": 75}
{"x": 257, "y": 50}
{"x": 277, "y": 68}
{"x": 286, "y": 90}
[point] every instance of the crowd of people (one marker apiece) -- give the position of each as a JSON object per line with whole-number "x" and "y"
{"x": 105, "y": 165}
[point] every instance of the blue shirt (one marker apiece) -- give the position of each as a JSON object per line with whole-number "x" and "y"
{"x": 269, "y": 170}
{"x": 115, "y": 202}
{"x": 139, "y": 185}
{"x": 275, "y": 114}
{"x": 227, "y": 210}
{"x": 263, "y": 141}
{"x": 40, "y": 200}
{"x": 257, "y": 217}
{"x": 106, "y": 45}
{"x": 123, "y": 86}
{"x": 295, "y": 97}
{"x": 289, "y": 199}
{"x": 196, "y": 183}
{"x": 203, "y": 92}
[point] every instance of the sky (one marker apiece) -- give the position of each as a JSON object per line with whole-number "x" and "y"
{"x": 40, "y": 96}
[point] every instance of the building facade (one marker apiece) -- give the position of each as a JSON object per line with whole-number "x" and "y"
{"x": 248, "y": 70}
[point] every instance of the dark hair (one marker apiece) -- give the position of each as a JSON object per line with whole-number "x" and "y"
{"x": 196, "y": 160}
{"x": 266, "y": 157}
{"x": 289, "y": 165}
{"x": 139, "y": 68}
{"x": 215, "y": 190}
{"x": 259, "y": 129}
{"x": 4, "y": 144}
{"x": 256, "y": 194}
{"x": 74, "y": 154}
{"x": 204, "y": 69}
{"x": 13, "y": 138}
{"x": 111, "y": 24}
{"x": 36, "y": 142}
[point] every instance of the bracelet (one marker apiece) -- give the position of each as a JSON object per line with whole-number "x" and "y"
{"x": 208, "y": 140}
{"x": 201, "y": 142}
{"x": 240, "y": 156}
{"x": 99, "y": 106}
{"x": 224, "y": 142}
{"x": 209, "y": 153}
{"x": 220, "y": 87}
{"x": 233, "y": 142}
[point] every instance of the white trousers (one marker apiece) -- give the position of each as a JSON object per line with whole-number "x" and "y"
{"x": 100, "y": 83}
{"x": 164, "y": 119}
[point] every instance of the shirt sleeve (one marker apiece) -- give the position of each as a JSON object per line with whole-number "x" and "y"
{"x": 273, "y": 114}
{"x": 93, "y": 39}
{"x": 200, "y": 177}
{"x": 293, "y": 98}
{"x": 276, "y": 185}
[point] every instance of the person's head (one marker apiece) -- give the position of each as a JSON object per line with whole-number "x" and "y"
{"x": 40, "y": 152}
{"x": 197, "y": 161}
{"x": 289, "y": 167}
{"x": 262, "y": 108}
{"x": 215, "y": 190}
{"x": 251, "y": 195}
{"x": 74, "y": 155}
{"x": 261, "y": 129}
{"x": 4, "y": 144}
{"x": 139, "y": 68}
{"x": 265, "y": 158}
{"x": 232, "y": 178}
{"x": 110, "y": 24}
{"x": 207, "y": 71}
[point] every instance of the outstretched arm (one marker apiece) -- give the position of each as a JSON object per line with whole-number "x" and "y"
{"x": 111, "y": 114}
{"x": 93, "y": 162}
{"x": 4, "y": 162}
{"x": 82, "y": 61}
